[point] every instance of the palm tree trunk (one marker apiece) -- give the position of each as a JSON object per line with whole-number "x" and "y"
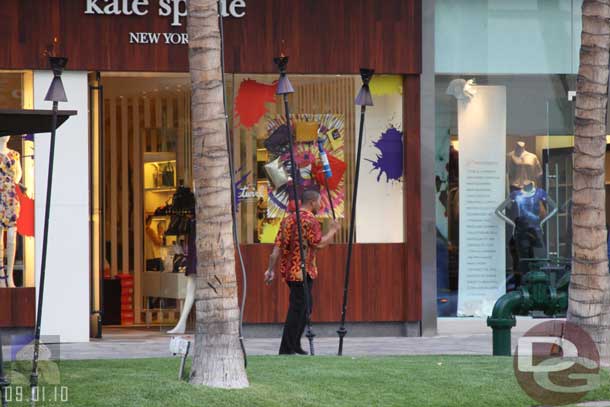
{"x": 218, "y": 360}
{"x": 589, "y": 295}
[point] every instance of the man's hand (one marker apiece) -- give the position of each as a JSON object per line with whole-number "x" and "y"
{"x": 335, "y": 226}
{"x": 269, "y": 276}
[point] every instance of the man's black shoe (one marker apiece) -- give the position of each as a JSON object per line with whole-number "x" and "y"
{"x": 302, "y": 352}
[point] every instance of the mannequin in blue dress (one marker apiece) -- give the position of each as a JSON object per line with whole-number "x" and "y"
{"x": 527, "y": 207}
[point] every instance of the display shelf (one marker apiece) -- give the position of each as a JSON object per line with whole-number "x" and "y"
{"x": 160, "y": 189}
{"x": 159, "y": 157}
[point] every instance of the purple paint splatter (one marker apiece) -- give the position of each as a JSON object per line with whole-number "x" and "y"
{"x": 239, "y": 184}
{"x": 390, "y": 160}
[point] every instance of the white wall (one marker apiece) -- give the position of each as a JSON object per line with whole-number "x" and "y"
{"x": 379, "y": 211}
{"x": 66, "y": 296}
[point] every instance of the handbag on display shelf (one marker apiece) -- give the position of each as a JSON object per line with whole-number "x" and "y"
{"x": 183, "y": 200}
{"x": 154, "y": 264}
{"x": 179, "y": 263}
{"x": 276, "y": 173}
{"x": 167, "y": 176}
{"x": 278, "y": 142}
{"x": 178, "y": 225}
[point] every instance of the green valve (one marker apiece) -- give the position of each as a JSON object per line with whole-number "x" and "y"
{"x": 537, "y": 294}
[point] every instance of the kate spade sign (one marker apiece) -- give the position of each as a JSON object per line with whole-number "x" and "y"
{"x": 176, "y": 10}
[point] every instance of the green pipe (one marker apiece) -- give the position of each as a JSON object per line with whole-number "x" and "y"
{"x": 508, "y": 305}
{"x": 502, "y": 320}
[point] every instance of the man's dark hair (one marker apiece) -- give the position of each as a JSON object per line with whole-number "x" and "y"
{"x": 310, "y": 195}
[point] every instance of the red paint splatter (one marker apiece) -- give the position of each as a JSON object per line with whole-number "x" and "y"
{"x": 251, "y": 99}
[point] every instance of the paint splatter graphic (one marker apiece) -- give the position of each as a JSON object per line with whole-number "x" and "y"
{"x": 390, "y": 160}
{"x": 251, "y": 99}
{"x": 281, "y": 199}
{"x": 239, "y": 184}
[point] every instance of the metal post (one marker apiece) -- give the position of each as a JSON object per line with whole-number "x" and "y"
{"x": 284, "y": 88}
{"x": 364, "y": 99}
{"x": 56, "y": 93}
{"x": 4, "y": 383}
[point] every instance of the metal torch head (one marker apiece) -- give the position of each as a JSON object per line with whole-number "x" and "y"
{"x": 284, "y": 86}
{"x": 56, "y": 92}
{"x": 365, "y": 98}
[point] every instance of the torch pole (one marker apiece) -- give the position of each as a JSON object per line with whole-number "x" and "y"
{"x": 43, "y": 267}
{"x": 55, "y": 94}
{"x": 4, "y": 383}
{"x": 364, "y": 99}
{"x": 284, "y": 88}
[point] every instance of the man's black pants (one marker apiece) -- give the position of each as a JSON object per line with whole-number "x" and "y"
{"x": 296, "y": 319}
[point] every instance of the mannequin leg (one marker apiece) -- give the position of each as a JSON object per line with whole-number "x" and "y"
{"x": 3, "y": 282}
{"x": 11, "y": 249}
{"x": 186, "y": 309}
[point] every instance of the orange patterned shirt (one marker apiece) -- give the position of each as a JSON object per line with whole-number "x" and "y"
{"x": 288, "y": 241}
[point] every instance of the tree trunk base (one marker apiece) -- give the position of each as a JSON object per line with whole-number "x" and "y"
{"x": 224, "y": 363}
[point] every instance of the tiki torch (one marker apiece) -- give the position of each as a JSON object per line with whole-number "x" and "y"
{"x": 363, "y": 100}
{"x": 284, "y": 88}
{"x": 55, "y": 94}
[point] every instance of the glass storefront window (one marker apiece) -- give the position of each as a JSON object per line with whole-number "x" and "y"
{"x": 144, "y": 137}
{"x": 322, "y": 106}
{"x": 507, "y": 37}
{"x": 503, "y": 171}
{"x": 505, "y": 82}
{"x": 147, "y": 157}
{"x": 17, "y": 198}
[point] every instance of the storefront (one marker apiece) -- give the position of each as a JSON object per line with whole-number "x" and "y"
{"x": 505, "y": 88}
{"x": 122, "y": 158}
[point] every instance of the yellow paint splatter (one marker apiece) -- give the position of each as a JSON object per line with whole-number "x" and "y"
{"x": 386, "y": 85}
{"x": 270, "y": 231}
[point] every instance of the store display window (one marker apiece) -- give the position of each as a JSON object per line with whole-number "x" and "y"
{"x": 504, "y": 184}
{"x": 322, "y": 108}
{"x": 16, "y": 188}
{"x": 145, "y": 128}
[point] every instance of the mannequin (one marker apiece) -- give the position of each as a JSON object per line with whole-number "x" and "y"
{"x": 188, "y": 304}
{"x": 528, "y": 205}
{"x": 184, "y": 202}
{"x": 10, "y": 174}
{"x": 191, "y": 273}
{"x": 522, "y": 166}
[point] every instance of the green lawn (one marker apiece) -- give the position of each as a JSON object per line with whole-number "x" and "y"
{"x": 305, "y": 381}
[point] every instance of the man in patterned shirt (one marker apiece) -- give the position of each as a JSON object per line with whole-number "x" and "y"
{"x": 287, "y": 251}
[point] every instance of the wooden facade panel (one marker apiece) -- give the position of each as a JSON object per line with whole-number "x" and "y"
{"x": 24, "y": 307}
{"x": 321, "y": 36}
{"x": 17, "y": 307}
{"x": 412, "y": 197}
{"x": 376, "y": 290}
{"x": 6, "y": 307}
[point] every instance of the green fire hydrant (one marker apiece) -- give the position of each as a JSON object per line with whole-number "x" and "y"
{"x": 537, "y": 294}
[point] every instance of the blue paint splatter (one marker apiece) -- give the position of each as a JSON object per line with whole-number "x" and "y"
{"x": 390, "y": 160}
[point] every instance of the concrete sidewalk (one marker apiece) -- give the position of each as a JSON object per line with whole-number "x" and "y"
{"x": 158, "y": 346}
{"x": 455, "y": 337}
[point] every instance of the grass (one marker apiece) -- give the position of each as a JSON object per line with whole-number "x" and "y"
{"x": 305, "y": 381}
